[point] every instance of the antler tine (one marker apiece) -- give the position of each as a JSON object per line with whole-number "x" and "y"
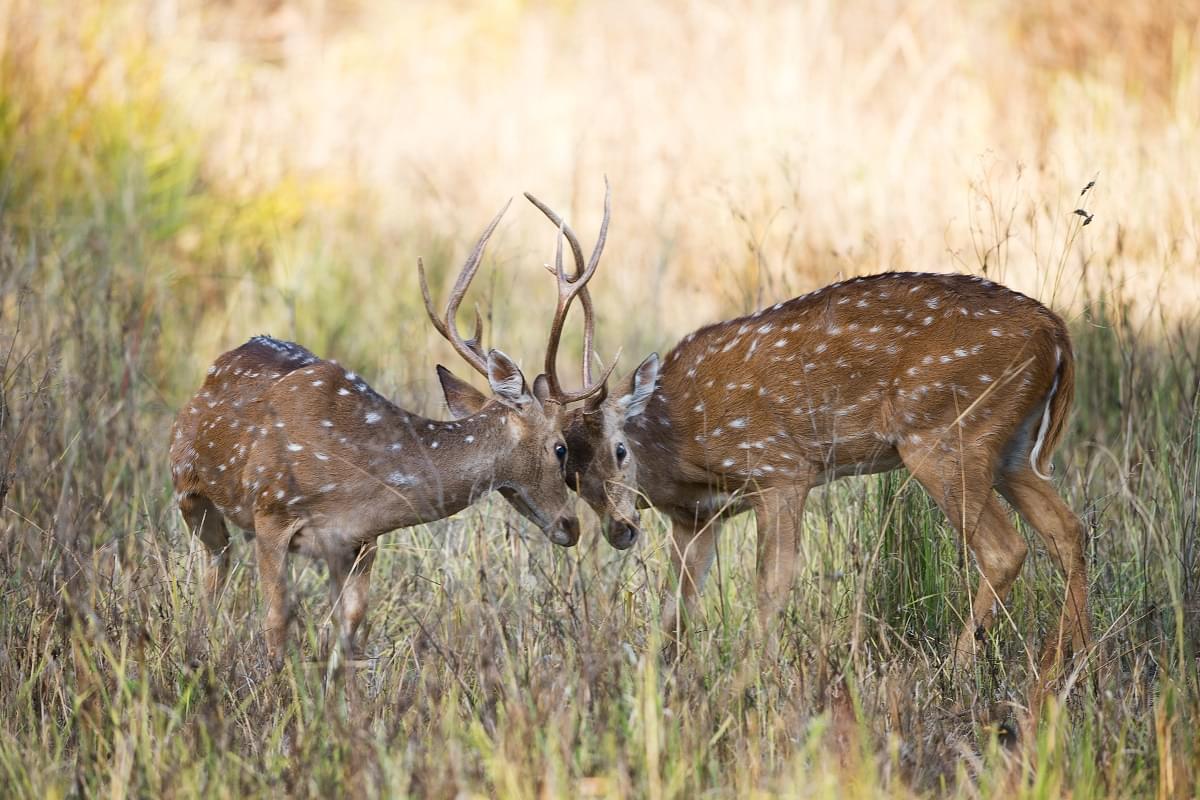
{"x": 582, "y": 273}
{"x": 561, "y": 224}
{"x": 568, "y": 288}
{"x": 470, "y": 349}
{"x": 556, "y": 324}
{"x": 602, "y": 237}
{"x": 429, "y": 309}
{"x": 476, "y": 340}
{"x": 585, "y": 297}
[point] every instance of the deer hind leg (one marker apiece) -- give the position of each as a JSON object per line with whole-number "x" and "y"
{"x": 999, "y": 552}
{"x": 962, "y": 488}
{"x": 692, "y": 545}
{"x": 206, "y": 522}
{"x": 778, "y": 512}
{"x": 1044, "y": 509}
{"x": 349, "y": 587}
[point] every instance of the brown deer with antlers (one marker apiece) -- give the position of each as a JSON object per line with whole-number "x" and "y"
{"x": 303, "y": 455}
{"x": 962, "y": 381}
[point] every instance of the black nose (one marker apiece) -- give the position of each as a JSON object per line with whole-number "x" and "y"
{"x": 622, "y": 535}
{"x": 567, "y": 533}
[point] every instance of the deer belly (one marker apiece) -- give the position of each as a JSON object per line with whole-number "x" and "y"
{"x": 306, "y": 541}
{"x": 883, "y": 460}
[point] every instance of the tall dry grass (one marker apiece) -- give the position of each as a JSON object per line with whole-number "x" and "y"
{"x": 755, "y": 149}
{"x": 177, "y": 176}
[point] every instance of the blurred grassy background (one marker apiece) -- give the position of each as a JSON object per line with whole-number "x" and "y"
{"x": 280, "y": 162}
{"x": 176, "y": 176}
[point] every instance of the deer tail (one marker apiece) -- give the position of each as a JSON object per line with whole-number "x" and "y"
{"x": 1058, "y": 408}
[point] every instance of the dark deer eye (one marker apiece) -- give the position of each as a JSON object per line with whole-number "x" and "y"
{"x": 560, "y": 450}
{"x": 620, "y": 452}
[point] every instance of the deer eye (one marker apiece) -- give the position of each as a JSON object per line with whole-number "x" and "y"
{"x": 620, "y": 452}
{"x": 560, "y": 450}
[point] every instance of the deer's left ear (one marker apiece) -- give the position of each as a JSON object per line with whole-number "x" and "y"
{"x": 639, "y": 388}
{"x": 507, "y": 381}
{"x": 462, "y": 398}
{"x": 541, "y": 388}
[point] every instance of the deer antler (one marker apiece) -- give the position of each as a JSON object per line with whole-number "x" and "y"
{"x": 568, "y": 288}
{"x": 470, "y": 349}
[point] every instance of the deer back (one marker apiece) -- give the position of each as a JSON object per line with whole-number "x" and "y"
{"x": 275, "y": 430}
{"x": 835, "y": 379}
{"x": 830, "y": 383}
{"x": 212, "y": 434}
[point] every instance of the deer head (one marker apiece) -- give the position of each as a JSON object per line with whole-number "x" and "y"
{"x": 599, "y": 466}
{"x": 532, "y": 466}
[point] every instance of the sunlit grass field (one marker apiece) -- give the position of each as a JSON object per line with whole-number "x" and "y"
{"x": 176, "y": 177}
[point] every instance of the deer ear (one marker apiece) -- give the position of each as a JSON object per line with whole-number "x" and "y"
{"x": 506, "y": 379}
{"x": 541, "y": 389}
{"x": 462, "y": 398}
{"x": 639, "y": 388}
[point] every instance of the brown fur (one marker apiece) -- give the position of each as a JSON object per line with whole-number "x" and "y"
{"x": 306, "y": 456}
{"x": 948, "y": 375}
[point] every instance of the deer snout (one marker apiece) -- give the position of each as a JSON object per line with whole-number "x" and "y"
{"x": 565, "y": 531}
{"x": 621, "y": 533}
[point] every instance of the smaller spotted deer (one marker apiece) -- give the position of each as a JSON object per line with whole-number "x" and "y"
{"x": 965, "y": 383}
{"x": 304, "y": 456}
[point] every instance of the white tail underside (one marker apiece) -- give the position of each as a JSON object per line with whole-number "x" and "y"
{"x": 1045, "y": 426}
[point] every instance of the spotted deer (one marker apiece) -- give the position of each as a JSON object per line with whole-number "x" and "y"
{"x": 304, "y": 456}
{"x": 962, "y": 381}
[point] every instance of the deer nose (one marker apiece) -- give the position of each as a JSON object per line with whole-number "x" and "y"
{"x": 565, "y": 532}
{"x": 621, "y": 534}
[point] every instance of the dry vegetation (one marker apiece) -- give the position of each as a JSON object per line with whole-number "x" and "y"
{"x": 177, "y": 176}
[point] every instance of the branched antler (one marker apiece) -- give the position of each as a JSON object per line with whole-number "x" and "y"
{"x": 470, "y": 349}
{"x": 568, "y": 288}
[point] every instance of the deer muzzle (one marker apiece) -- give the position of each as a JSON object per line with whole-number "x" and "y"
{"x": 621, "y": 533}
{"x": 564, "y": 531}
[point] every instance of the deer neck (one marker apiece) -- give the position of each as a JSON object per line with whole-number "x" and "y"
{"x": 654, "y": 442}
{"x": 426, "y": 469}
